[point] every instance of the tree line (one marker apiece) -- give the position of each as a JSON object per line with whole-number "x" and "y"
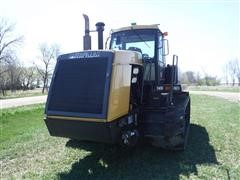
{"x": 194, "y": 78}
{"x": 231, "y": 74}
{"x": 14, "y": 75}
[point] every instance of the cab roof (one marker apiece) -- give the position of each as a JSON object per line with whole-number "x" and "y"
{"x": 153, "y": 26}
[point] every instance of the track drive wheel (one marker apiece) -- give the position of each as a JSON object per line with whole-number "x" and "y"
{"x": 184, "y": 134}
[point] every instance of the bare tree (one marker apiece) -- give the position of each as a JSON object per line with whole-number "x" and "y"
{"x": 209, "y": 80}
{"x": 48, "y": 59}
{"x": 199, "y": 81}
{"x": 8, "y": 60}
{"x": 15, "y": 71}
{"x": 237, "y": 70}
{"x": 233, "y": 70}
{"x": 188, "y": 77}
{"x": 10, "y": 77}
{"x": 226, "y": 73}
{"x": 28, "y": 77}
{"x": 8, "y": 42}
{"x": 4, "y": 80}
{"x": 206, "y": 77}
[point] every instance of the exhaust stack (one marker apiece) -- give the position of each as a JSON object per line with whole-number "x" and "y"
{"x": 100, "y": 29}
{"x": 86, "y": 37}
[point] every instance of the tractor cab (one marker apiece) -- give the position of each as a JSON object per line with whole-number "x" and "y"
{"x": 150, "y": 42}
{"x": 147, "y": 40}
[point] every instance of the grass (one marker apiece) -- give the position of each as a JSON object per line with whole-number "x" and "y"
{"x": 16, "y": 121}
{"x": 214, "y": 88}
{"x": 21, "y": 93}
{"x": 27, "y": 150}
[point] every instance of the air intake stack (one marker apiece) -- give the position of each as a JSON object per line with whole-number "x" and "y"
{"x": 100, "y": 29}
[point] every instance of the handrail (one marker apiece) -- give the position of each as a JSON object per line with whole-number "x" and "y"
{"x": 173, "y": 76}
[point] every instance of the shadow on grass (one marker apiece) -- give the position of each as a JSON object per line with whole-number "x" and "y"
{"x": 143, "y": 162}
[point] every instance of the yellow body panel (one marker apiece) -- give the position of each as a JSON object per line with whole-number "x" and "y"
{"x": 119, "y": 96}
{"x": 127, "y": 57}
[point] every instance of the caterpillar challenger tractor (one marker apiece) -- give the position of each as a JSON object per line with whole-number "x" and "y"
{"x": 122, "y": 94}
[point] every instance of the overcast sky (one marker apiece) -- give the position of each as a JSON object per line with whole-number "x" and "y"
{"x": 204, "y": 34}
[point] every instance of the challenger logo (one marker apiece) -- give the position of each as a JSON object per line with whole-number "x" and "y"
{"x": 79, "y": 55}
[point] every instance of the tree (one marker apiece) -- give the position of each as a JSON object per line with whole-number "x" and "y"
{"x": 48, "y": 57}
{"x": 233, "y": 70}
{"x": 237, "y": 70}
{"x": 209, "y": 80}
{"x": 4, "y": 80}
{"x": 10, "y": 78}
{"x": 15, "y": 71}
{"x": 8, "y": 43}
{"x": 226, "y": 73}
{"x": 28, "y": 78}
{"x": 8, "y": 60}
{"x": 188, "y": 77}
{"x": 199, "y": 80}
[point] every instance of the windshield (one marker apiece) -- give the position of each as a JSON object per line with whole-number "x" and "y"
{"x": 139, "y": 40}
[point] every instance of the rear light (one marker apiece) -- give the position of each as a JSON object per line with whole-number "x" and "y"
{"x": 167, "y": 87}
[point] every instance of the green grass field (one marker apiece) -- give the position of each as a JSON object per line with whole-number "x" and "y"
{"x": 27, "y": 150}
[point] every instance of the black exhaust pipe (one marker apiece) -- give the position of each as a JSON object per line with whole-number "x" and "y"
{"x": 86, "y": 37}
{"x": 100, "y": 29}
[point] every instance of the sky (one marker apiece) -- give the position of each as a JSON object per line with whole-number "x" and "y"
{"x": 204, "y": 34}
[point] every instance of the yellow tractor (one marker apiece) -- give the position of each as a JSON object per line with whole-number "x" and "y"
{"x": 122, "y": 94}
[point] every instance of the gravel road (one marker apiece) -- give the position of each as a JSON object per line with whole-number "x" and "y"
{"x": 231, "y": 96}
{"x": 7, "y": 103}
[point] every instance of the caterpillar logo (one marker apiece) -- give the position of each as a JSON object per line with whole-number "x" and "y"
{"x": 78, "y": 55}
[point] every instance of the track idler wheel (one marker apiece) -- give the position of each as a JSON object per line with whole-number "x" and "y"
{"x": 179, "y": 141}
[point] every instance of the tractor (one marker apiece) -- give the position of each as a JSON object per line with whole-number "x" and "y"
{"x": 123, "y": 94}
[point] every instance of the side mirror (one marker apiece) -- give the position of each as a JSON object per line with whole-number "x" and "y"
{"x": 165, "y": 47}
